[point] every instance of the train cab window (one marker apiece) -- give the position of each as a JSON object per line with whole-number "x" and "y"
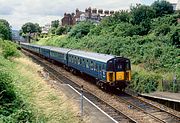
{"x": 110, "y": 65}
{"x": 122, "y": 65}
{"x": 119, "y": 65}
{"x": 128, "y": 66}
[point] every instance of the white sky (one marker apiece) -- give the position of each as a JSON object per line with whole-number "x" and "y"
{"x": 18, "y": 12}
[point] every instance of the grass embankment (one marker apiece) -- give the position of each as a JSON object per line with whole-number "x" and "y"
{"x": 25, "y": 96}
{"x": 154, "y": 53}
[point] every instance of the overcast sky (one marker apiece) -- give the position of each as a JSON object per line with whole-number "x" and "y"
{"x": 18, "y": 12}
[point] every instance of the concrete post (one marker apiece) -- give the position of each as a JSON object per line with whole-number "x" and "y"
{"x": 82, "y": 102}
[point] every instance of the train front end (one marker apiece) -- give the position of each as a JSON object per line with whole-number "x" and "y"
{"x": 118, "y": 72}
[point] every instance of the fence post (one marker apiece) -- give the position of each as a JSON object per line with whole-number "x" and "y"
{"x": 174, "y": 82}
{"x": 82, "y": 102}
{"x": 162, "y": 84}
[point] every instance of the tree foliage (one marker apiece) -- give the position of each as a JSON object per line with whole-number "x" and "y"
{"x": 5, "y": 30}
{"x": 30, "y": 28}
{"x": 162, "y": 7}
{"x": 60, "y": 30}
{"x": 141, "y": 13}
{"x": 55, "y": 23}
{"x": 81, "y": 29}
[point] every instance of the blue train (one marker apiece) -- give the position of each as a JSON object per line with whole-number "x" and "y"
{"x": 110, "y": 71}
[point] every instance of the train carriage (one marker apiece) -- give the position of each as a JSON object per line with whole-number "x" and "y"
{"x": 59, "y": 54}
{"x": 109, "y": 70}
{"x": 93, "y": 64}
{"x": 33, "y": 48}
{"x": 25, "y": 46}
{"x": 45, "y": 51}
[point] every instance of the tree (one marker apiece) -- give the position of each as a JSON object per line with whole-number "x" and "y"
{"x": 60, "y": 30}
{"x": 162, "y": 7}
{"x": 52, "y": 30}
{"x": 38, "y": 28}
{"x": 142, "y": 13}
{"x": 5, "y": 30}
{"x": 55, "y": 23}
{"x": 81, "y": 29}
{"x": 28, "y": 28}
{"x": 122, "y": 16}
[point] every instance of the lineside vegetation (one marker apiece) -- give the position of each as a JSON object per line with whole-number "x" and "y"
{"x": 25, "y": 97}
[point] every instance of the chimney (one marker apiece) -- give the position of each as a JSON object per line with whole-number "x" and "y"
{"x": 86, "y": 10}
{"x": 100, "y": 11}
{"x": 94, "y": 11}
{"x": 106, "y": 12}
{"x": 89, "y": 12}
{"x": 111, "y": 12}
{"x": 72, "y": 14}
{"x": 77, "y": 11}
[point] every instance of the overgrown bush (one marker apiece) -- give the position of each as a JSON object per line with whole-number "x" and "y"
{"x": 144, "y": 83}
{"x": 12, "y": 108}
{"x": 9, "y": 49}
{"x": 81, "y": 29}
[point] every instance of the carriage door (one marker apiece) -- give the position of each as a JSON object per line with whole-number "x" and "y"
{"x": 100, "y": 73}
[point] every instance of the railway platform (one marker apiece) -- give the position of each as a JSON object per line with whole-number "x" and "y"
{"x": 91, "y": 113}
{"x": 169, "y": 99}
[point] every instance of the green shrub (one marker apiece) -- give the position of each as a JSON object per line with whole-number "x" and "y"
{"x": 81, "y": 29}
{"x": 144, "y": 83}
{"x": 163, "y": 29}
{"x": 9, "y": 49}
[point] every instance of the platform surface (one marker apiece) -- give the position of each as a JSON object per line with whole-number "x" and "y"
{"x": 175, "y": 97}
{"x": 94, "y": 115}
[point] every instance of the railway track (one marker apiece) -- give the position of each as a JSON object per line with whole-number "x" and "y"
{"x": 111, "y": 111}
{"x": 151, "y": 110}
{"x": 123, "y": 109}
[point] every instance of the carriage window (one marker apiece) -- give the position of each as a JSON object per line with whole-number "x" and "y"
{"x": 79, "y": 62}
{"x": 92, "y": 65}
{"x": 87, "y": 64}
{"x": 104, "y": 66}
{"x": 96, "y": 66}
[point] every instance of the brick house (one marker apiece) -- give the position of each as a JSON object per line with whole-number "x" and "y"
{"x": 92, "y": 15}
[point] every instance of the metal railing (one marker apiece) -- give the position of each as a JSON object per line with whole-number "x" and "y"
{"x": 171, "y": 85}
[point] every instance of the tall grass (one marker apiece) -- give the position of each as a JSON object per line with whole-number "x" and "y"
{"x": 24, "y": 96}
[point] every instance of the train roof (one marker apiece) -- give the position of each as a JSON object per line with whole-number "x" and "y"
{"x": 60, "y": 50}
{"x": 46, "y": 47}
{"x": 90, "y": 55}
{"x": 31, "y": 44}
